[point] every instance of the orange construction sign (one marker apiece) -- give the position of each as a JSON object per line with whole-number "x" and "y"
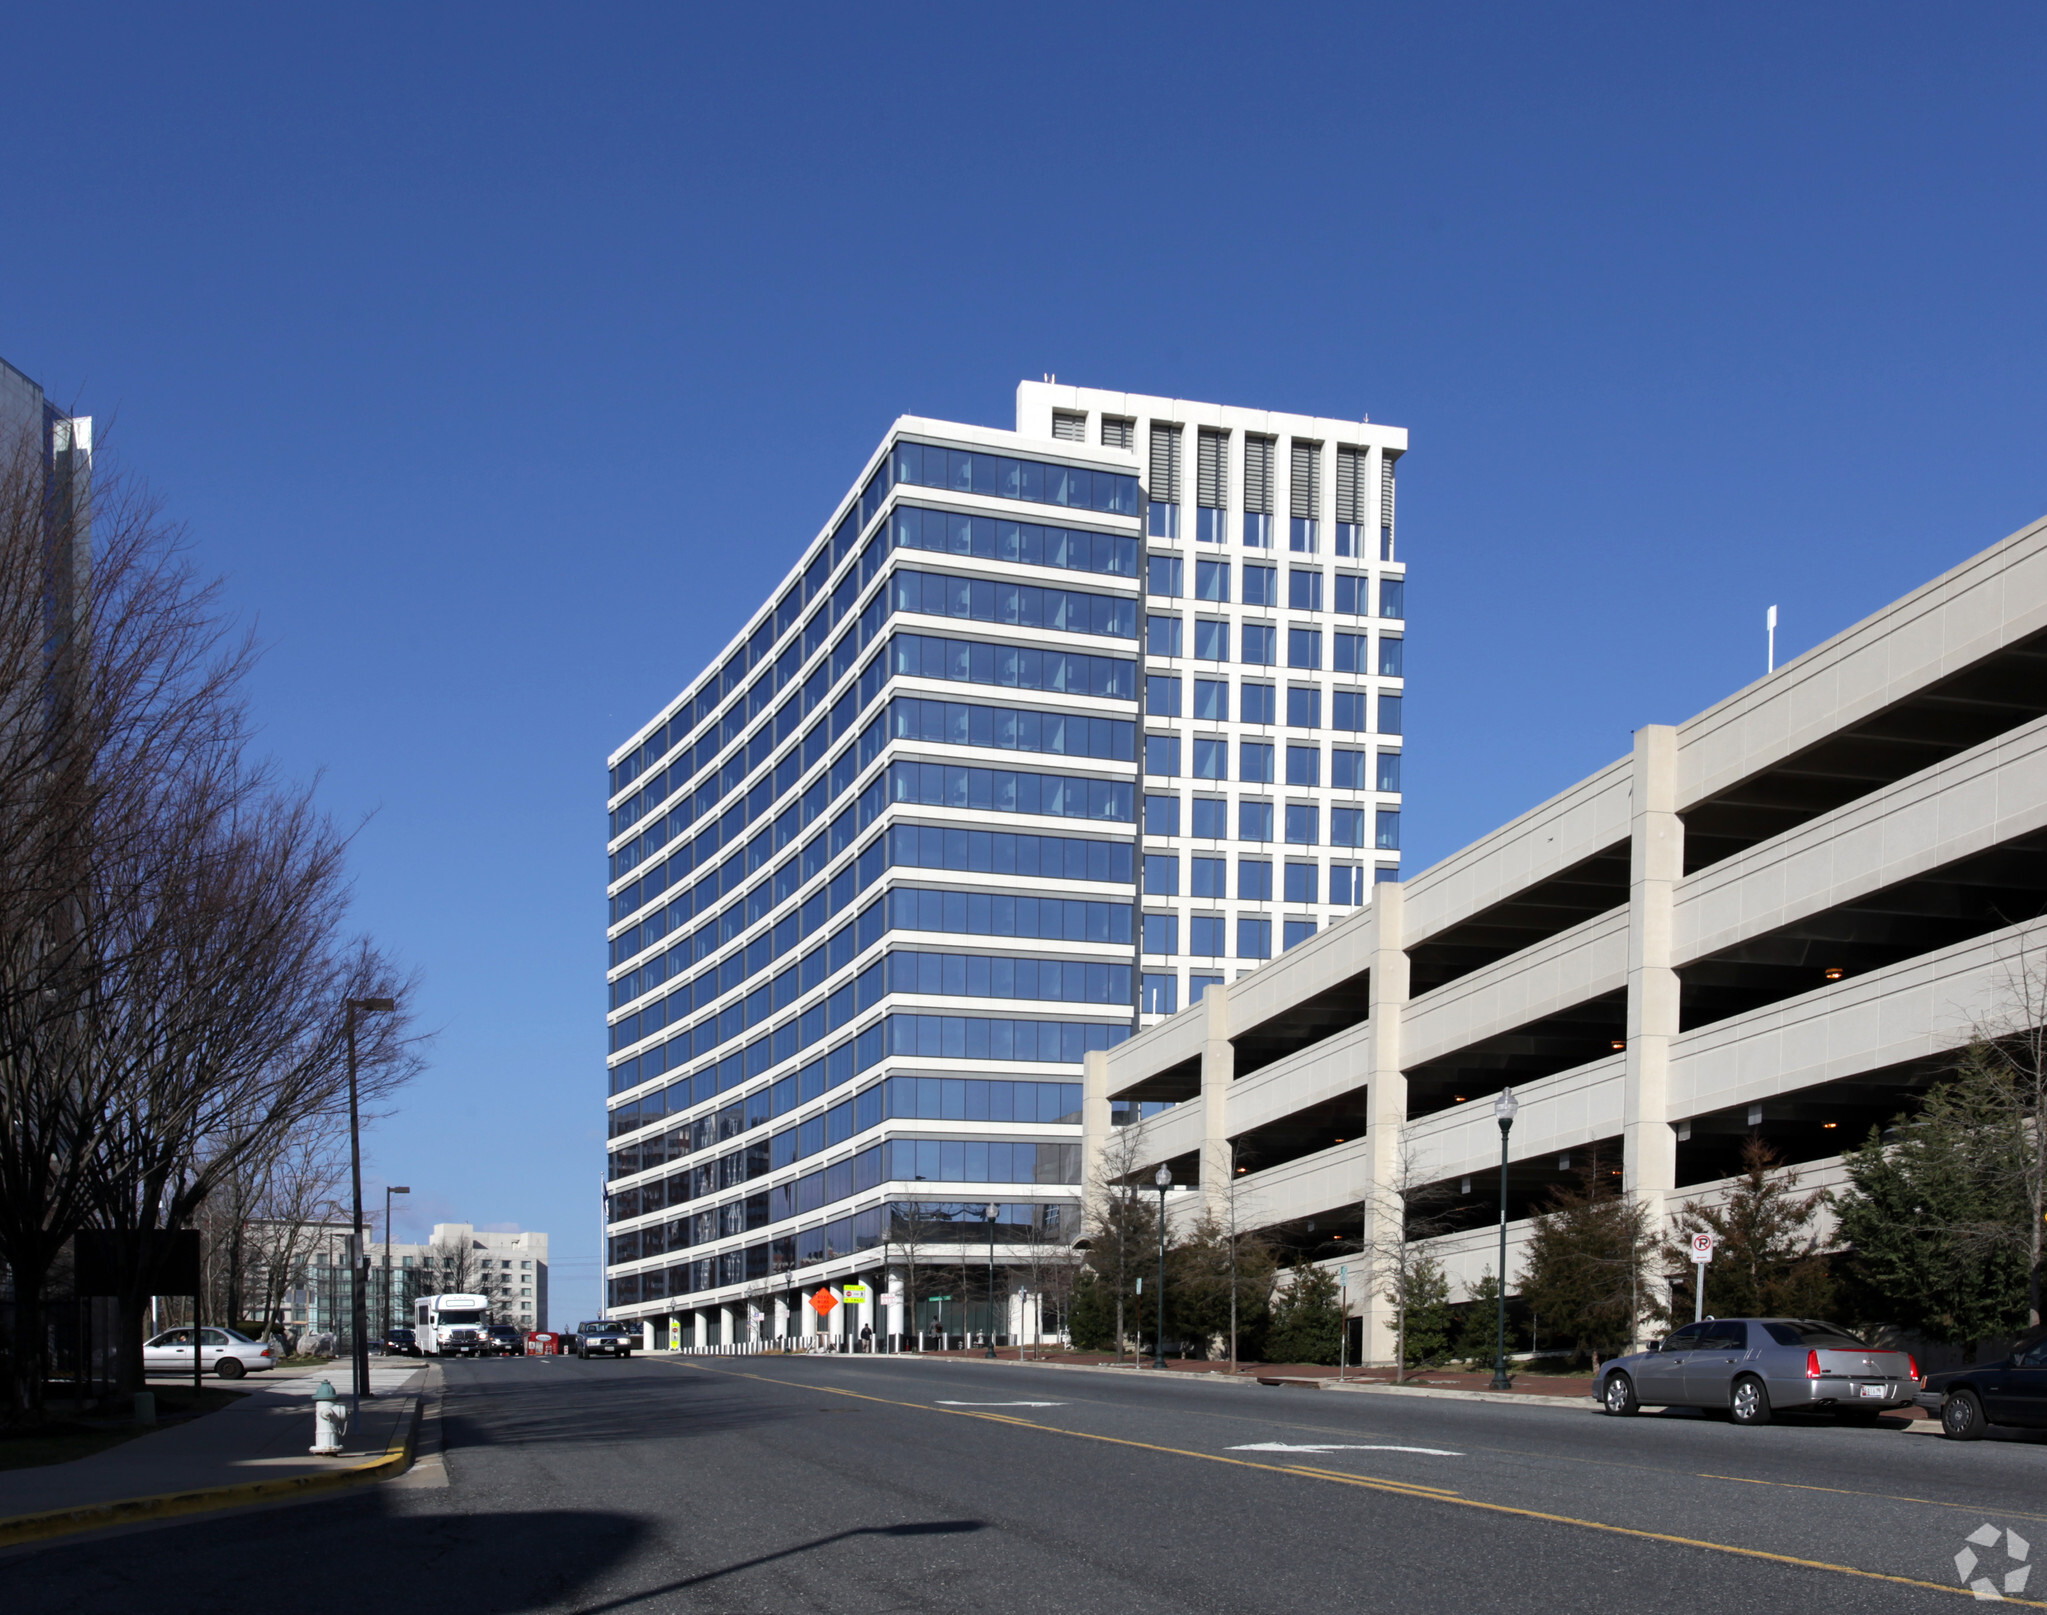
{"x": 823, "y": 1302}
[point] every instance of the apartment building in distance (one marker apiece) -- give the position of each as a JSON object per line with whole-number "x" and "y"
{"x": 1782, "y": 917}
{"x": 1045, "y": 733}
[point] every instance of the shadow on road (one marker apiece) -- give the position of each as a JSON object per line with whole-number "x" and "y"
{"x": 917, "y": 1528}
{"x": 357, "y": 1549}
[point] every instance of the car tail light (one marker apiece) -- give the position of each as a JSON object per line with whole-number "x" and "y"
{"x": 1914, "y": 1362}
{"x": 1812, "y": 1365}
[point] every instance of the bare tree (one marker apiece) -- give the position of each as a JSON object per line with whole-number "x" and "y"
{"x": 1121, "y": 1227}
{"x": 1050, "y": 1263}
{"x": 1405, "y": 1209}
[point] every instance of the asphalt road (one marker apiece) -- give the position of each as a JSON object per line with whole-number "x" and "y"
{"x": 834, "y": 1484}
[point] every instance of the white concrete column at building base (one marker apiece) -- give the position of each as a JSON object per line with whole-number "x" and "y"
{"x": 1385, "y": 1118}
{"x": 897, "y": 1287}
{"x": 728, "y": 1324}
{"x": 781, "y": 1317}
{"x": 1218, "y": 1070}
{"x": 1656, "y": 864}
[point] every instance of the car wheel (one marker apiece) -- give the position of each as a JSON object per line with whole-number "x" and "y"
{"x": 1961, "y": 1417}
{"x": 1617, "y": 1396}
{"x": 229, "y": 1368}
{"x": 1750, "y": 1401}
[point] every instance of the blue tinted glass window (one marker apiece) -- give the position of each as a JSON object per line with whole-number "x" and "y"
{"x": 1389, "y": 714}
{"x": 1161, "y": 933}
{"x": 1162, "y": 576}
{"x": 1254, "y": 821}
{"x": 1254, "y": 879}
{"x": 1351, "y": 651}
{"x": 1260, "y": 644}
{"x": 1161, "y": 695}
{"x": 1161, "y": 815}
{"x": 1303, "y": 824}
{"x": 1205, "y": 936}
{"x": 1301, "y": 883}
{"x": 1212, "y": 580}
{"x": 1346, "y": 827}
{"x": 1254, "y": 939}
{"x": 1161, "y": 994}
{"x": 1304, "y": 765}
{"x": 1298, "y": 931}
{"x": 1389, "y": 771}
{"x": 1161, "y": 875}
{"x": 1347, "y": 769}
{"x": 1391, "y": 647}
{"x": 1162, "y": 754}
{"x": 1211, "y": 818}
{"x": 1345, "y": 884}
{"x": 1393, "y": 597}
{"x": 1208, "y": 877}
{"x": 1303, "y": 708}
{"x": 1304, "y": 647}
{"x": 1211, "y": 757}
{"x": 1261, "y": 585}
{"x": 1258, "y": 703}
{"x": 1303, "y": 588}
{"x": 1162, "y": 635}
{"x": 1388, "y": 839}
{"x": 1211, "y": 640}
{"x": 1212, "y": 700}
{"x": 1254, "y": 762}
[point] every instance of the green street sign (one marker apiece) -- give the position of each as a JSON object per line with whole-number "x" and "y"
{"x": 938, "y": 1298}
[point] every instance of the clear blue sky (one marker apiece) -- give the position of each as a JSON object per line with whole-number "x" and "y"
{"x": 502, "y": 357}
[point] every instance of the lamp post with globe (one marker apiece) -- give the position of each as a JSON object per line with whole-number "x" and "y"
{"x": 1504, "y": 1109}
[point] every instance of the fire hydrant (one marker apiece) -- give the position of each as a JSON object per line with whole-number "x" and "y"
{"x": 330, "y": 1419}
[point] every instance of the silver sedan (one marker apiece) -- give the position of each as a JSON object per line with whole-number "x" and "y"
{"x": 1753, "y": 1367}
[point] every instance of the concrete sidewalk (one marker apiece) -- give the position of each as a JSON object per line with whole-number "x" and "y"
{"x": 254, "y": 1451}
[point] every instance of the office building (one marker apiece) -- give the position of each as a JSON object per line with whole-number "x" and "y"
{"x": 1046, "y": 732}
{"x": 1781, "y": 918}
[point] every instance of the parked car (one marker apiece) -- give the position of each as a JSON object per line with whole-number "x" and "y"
{"x": 504, "y": 1341}
{"x": 606, "y": 1338}
{"x": 1757, "y": 1367}
{"x": 225, "y": 1352}
{"x": 402, "y": 1343}
{"x": 2012, "y": 1390}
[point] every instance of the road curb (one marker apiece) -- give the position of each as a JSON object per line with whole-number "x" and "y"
{"x": 1584, "y": 1404}
{"x": 23, "y": 1529}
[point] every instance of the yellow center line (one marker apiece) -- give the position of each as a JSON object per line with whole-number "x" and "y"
{"x": 1887, "y": 1497}
{"x": 1396, "y": 1488}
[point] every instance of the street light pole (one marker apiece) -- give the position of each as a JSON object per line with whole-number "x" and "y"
{"x": 358, "y": 1309}
{"x": 1158, "y": 1360}
{"x": 389, "y": 1190}
{"x": 1504, "y": 1109}
{"x": 993, "y": 1211}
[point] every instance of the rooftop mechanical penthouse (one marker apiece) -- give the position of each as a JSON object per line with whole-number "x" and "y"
{"x": 1045, "y": 733}
{"x": 1783, "y": 916}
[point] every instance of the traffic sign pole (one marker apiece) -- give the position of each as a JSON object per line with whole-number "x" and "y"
{"x": 1702, "y": 1255}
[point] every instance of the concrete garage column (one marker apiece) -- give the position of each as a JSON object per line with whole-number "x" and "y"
{"x": 1218, "y": 1070}
{"x": 1385, "y": 1114}
{"x": 1656, "y": 864}
{"x": 1094, "y": 1115}
{"x": 781, "y": 1317}
{"x": 729, "y": 1330}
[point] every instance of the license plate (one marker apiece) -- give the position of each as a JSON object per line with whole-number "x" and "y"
{"x": 1880, "y": 1391}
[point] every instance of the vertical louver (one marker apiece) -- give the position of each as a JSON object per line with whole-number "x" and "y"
{"x": 1212, "y": 474}
{"x": 1258, "y": 476}
{"x": 1165, "y": 464}
{"x": 1304, "y": 491}
{"x": 1350, "y": 484}
{"x": 1386, "y": 492}
{"x": 1116, "y": 433}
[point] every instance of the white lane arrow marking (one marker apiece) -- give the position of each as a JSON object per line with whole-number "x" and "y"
{"x": 1283, "y": 1446}
{"x": 942, "y": 1402}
